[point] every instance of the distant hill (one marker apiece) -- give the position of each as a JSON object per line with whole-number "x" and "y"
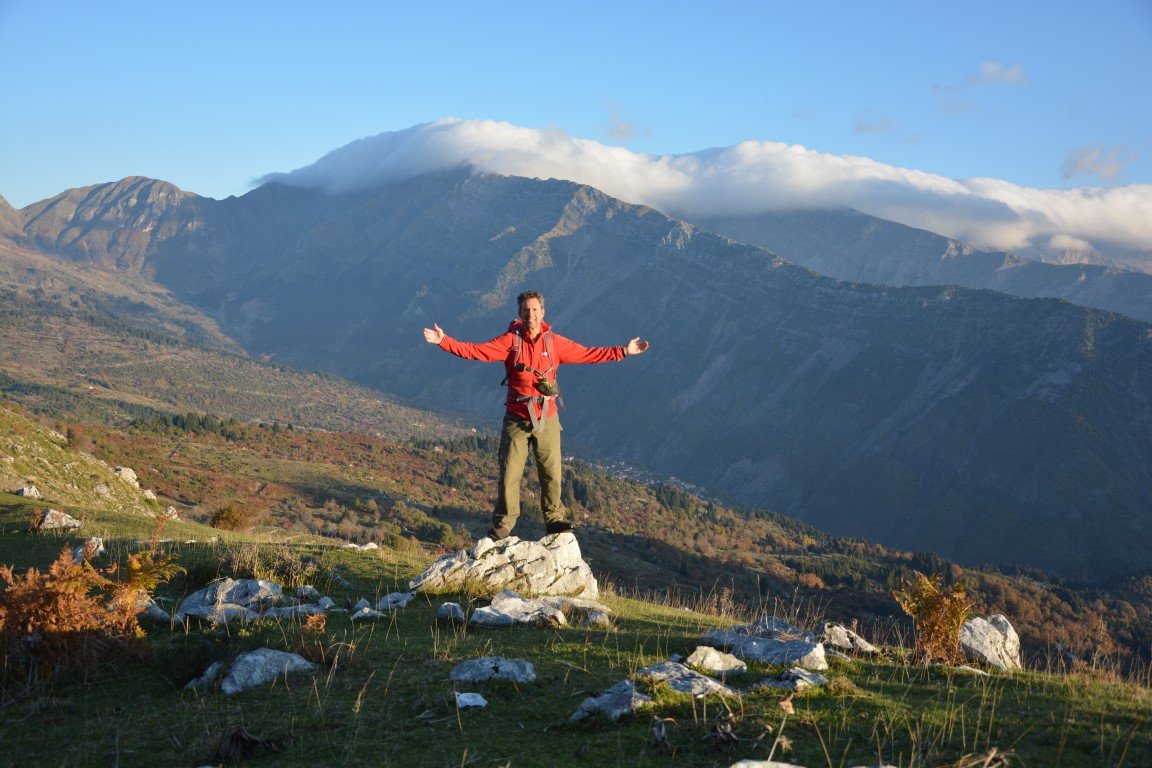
{"x": 850, "y": 245}
{"x": 110, "y": 345}
{"x": 966, "y": 422}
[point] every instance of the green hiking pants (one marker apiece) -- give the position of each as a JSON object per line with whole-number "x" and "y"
{"x": 516, "y": 439}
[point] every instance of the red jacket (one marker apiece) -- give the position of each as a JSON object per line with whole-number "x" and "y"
{"x": 533, "y": 354}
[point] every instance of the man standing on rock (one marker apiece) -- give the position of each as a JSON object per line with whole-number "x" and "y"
{"x": 531, "y": 353}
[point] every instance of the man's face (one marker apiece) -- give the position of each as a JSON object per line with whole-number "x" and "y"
{"x": 532, "y": 312}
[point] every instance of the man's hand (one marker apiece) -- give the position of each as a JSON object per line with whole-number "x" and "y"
{"x": 435, "y": 335}
{"x": 634, "y": 347}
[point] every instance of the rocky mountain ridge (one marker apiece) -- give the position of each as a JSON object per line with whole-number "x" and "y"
{"x": 850, "y": 245}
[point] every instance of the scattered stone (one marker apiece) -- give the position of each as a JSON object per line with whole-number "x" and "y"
{"x": 970, "y": 670}
{"x": 839, "y": 636}
{"x": 771, "y": 640}
{"x": 361, "y": 604}
{"x": 94, "y": 547}
{"x": 551, "y": 566}
{"x": 793, "y": 679}
{"x": 207, "y": 679}
{"x": 716, "y": 663}
{"x": 763, "y": 764}
{"x": 154, "y": 612}
{"x": 394, "y": 600}
{"x": 150, "y": 494}
{"x": 493, "y": 668}
{"x": 340, "y": 580}
{"x": 291, "y": 611}
{"x": 598, "y": 619}
{"x": 508, "y": 609}
{"x": 326, "y": 603}
{"x": 55, "y": 520}
{"x": 616, "y": 702}
{"x": 128, "y": 475}
{"x": 451, "y": 612}
{"x": 991, "y": 641}
{"x": 367, "y": 612}
{"x": 260, "y": 667}
{"x": 307, "y": 592}
{"x": 102, "y": 490}
{"x": 362, "y": 547}
{"x": 29, "y": 492}
{"x": 170, "y": 513}
{"x": 226, "y": 600}
{"x": 470, "y": 700}
{"x": 681, "y": 678}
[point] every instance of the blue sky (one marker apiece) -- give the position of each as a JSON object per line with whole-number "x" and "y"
{"x": 213, "y": 95}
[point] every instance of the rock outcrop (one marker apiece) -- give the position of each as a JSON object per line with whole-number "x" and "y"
{"x": 551, "y": 566}
{"x": 991, "y": 641}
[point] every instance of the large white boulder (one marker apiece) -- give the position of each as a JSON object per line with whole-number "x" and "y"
{"x": 226, "y": 600}
{"x": 991, "y": 641}
{"x": 771, "y": 640}
{"x": 260, "y": 667}
{"x": 551, "y": 566}
{"x": 55, "y": 520}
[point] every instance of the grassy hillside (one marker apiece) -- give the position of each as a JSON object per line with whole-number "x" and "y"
{"x": 389, "y": 701}
{"x": 648, "y": 539}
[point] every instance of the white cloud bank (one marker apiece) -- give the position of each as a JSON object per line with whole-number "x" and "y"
{"x": 756, "y": 176}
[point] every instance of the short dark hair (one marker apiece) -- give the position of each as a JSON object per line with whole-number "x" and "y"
{"x": 529, "y": 295}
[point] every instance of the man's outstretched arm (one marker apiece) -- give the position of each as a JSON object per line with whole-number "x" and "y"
{"x": 489, "y": 351}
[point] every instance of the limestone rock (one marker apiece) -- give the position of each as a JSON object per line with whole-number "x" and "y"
{"x": 991, "y": 641}
{"x": 154, "y": 612}
{"x": 367, "y": 612}
{"x": 794, "y": 679}
{"x": 170, "y": 513}
{"x": 551, "y": 566}
{"x": 716, "y": 663}
{"x": 470, "y": 700}
{"x": 260, "y": 667}
{"x": 29, "y": 492}
{"x": 508, "y": 609}
{"x": 391, "y": 602}
{"x": 307, "y": 592}
{"x": 451, "y": 612}
{"x": 228, "y": 599}
{"x": 55, "y": 520}
{"x": 616, "y": 702}
{"x": 839, "y": 636}
{"x": 207, "y": 679}
{"x": 94, "y": 547}
{"x": 772, "y": 641}
{"x": 681, "y": 678}
{"x": 493, "y": 668}
{"x": 102, "y": 489}
{"x": 326, "y": 603}
{"x": 598, "y": 619}
{"x": 128, "y": 475}
{"x": 291, "y": 611}
{"x": 149, "y": 494}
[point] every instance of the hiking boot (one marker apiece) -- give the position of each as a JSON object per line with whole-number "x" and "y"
{"x": 496, "y": 534}
{"x": 557, "y": 526}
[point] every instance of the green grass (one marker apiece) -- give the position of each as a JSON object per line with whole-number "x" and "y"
{"x": 392, "y": 705}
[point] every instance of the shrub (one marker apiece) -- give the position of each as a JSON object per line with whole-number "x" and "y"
{"x": 74, "y": 615}
{"x": 234, "y": 518}
{"x": 937, "y": 614}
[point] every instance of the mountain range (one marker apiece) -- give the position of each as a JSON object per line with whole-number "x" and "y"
{"x": 979, "y": 425}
